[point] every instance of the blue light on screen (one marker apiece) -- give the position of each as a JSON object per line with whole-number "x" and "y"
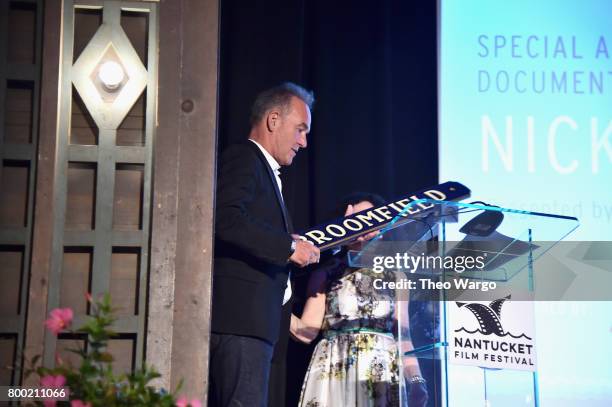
{"x": 525, "y": 121}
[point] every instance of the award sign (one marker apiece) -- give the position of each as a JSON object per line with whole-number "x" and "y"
{"x": 331, "y": 234}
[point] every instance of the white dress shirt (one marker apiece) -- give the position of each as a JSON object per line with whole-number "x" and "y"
{"x": 276, "y": 170}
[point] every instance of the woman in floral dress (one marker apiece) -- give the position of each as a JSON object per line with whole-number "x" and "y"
{"x": 357, "y": 361}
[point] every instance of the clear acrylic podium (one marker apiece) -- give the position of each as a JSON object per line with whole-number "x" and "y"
{"x": 508, "y": 243}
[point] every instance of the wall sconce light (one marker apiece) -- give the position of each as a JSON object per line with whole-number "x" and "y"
{"x": 111, "y": 74}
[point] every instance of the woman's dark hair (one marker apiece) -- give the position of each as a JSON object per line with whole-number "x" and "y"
{"x": 351, "y": 199}
{"x": 357, "y": 197}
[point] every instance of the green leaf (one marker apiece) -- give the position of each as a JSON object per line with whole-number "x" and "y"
{"x": 106, "y": 357}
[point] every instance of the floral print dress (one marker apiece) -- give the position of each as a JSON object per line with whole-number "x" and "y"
{"x": 357, "y": 361}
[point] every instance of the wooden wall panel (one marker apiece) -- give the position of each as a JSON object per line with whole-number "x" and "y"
{"x": 135, "y": 26}
{"x": 123, "y": 352}
{"x": 102, "y": 176}
{"x": 131, "y": 132}
{"x": 83, "y": 130}
{"x": 81, "y": 196}
{"x": 21, "y": 45}
{"x": 14, "y": 196}
{"x": 124, "y": 280}
{"x": 86, "y": 23}
{"x": 127, "y": 207}
{"x": 47, "y": 75}
{"x": 18, "y": 112}
{"x": 75, "y": 280}
{"x": 11, "y": 274}
{"x": 7, "y": 359}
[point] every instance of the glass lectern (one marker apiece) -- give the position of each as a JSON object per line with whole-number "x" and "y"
{"x": 465, "y": 287}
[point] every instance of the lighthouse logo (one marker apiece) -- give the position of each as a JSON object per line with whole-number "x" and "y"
{"x": 496, "y": 334}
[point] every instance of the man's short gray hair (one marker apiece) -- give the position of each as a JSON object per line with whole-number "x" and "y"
{"x": 280, "y": 97}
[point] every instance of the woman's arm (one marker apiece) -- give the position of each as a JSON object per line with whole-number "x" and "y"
{"x": 306, "y": 328}
{"x": 410, "y": 363}
{"x": 417, "y": 395}
{"x": 402, "y": 315}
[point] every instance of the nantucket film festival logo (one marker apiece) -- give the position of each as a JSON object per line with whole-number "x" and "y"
{"x": 498, "y": 334}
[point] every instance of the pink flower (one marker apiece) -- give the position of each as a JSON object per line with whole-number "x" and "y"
{"x": 79, "y": 403}
{"x": 53, "y": 381}
{"x": 59, "y": 319}
{"x": 182, "y": 402}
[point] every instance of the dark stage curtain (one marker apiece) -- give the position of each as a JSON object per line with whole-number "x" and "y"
{"x": 372, "y": 66}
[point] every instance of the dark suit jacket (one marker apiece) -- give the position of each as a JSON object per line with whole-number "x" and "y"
{"x": 252, "y": 245}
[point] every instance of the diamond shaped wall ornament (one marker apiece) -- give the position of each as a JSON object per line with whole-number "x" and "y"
{"x": 109, "y": 106}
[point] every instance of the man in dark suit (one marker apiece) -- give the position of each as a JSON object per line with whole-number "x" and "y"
{"x": 254, "y": 247}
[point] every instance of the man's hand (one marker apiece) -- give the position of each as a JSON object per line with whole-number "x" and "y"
{"x": 305, "y": 253}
